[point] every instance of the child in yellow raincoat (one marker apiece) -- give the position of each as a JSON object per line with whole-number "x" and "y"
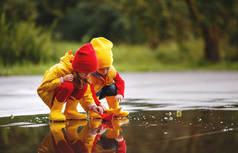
{"x": 82, "y": 136}
{"x": 67, "y": 82}
{"x": 106, "y": 80}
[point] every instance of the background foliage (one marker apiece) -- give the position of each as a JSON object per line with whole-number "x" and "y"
{"x": 184, "y": 31}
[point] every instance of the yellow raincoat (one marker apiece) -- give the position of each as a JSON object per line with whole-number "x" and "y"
{"x": 99, "y": 82}
{"x": 51, "y": 81}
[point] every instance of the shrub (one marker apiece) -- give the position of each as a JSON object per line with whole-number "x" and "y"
{"x": 23, "y": 43}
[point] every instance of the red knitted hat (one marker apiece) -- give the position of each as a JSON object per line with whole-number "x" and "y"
{"x": 85, "y": 59}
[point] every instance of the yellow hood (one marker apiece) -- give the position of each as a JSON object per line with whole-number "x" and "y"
{"x": 103, "y": 47}
{"x": 67, "y": 59}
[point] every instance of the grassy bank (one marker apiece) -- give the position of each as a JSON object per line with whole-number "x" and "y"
{"x": 168, "y": 57}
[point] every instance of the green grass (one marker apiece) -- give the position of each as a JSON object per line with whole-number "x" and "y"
{"x": 26, "y": 69}
{"x": 168, "y": 57}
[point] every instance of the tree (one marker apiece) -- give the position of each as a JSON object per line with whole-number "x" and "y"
{"x": 210, "y": 33}
{"x": 158, "y": 20}
{"x": 217, "y": 21}
{"x": 92, "y": 19}
{"x": 17, "y": 11}
{"x": 52, "y": 10}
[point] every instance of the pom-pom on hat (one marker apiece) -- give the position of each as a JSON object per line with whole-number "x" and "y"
{"x": 103, "y": 47}
{"x": 85, "y": 59}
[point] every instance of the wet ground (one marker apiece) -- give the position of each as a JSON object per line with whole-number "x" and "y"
{"x": 186, "y": 112}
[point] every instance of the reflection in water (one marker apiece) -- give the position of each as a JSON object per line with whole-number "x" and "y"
{"x": 85, "y": 137}
{"x": 190, "y": 131}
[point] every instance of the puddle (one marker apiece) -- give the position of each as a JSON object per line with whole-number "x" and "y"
{"x": 143, "y": 131}
{"x": 170, "y": 112}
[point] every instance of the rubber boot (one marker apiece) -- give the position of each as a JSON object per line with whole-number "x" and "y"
{"x": 72, "y": 129}
{"x": 113, "y": 104}
{"x": 94, "y": 123}
{"x": 115, "y": 131}
{"x": 81, "y": 140}
{"x": 73, "y": 134}
{"x": 71, "y": 111}
{"x": 113, "y": 111}
{"x": 55, "y": 111}
{"x": 56, "y": 130}
{"x": 60, "y": 143}
{"x": 94, "y": 115}
{"x": 91, "y": 114}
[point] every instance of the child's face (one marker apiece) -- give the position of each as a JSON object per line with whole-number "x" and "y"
{"x": 104, "y": 71}
{"x": 83, "y": 75}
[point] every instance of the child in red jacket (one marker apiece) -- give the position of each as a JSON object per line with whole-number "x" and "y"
{"x": 106, "y": 80}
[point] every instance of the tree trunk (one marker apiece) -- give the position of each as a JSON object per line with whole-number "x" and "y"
{"x": 211, "y": 44}
{"x": 210, "y": 34}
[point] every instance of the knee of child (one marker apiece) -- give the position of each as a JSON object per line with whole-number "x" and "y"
{"x": 67, "y": 86}
{"x": 112, "y": 90}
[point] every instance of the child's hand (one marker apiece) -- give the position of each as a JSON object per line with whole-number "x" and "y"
{"x": 100, "y": 109}
{"x": 97, "y": 109}
{"x": 118, "y": 98}
{"x": 101, "y": 130}
{"x": 119, "y": 138}
{"x": 103, "y": 107}
{"x": 68, "y": 77}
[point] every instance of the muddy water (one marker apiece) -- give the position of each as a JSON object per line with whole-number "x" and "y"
{"x": 191, "y": 131}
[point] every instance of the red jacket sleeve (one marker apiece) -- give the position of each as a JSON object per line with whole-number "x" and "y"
{"x": 120, "y": 83}
{"x": 97, "y": 102}
{"x": 121, "y": 147}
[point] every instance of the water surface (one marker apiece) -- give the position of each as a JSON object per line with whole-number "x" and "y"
{"x": 144, "y": 131}
{"x": 170, "y": 112}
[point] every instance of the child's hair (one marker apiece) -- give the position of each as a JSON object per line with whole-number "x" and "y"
{"x": 78, "y": 82}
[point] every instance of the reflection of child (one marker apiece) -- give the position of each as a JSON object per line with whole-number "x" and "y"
{"x": 117, "y": 145}
{"x": 58, "y": 141}
{"x": 112, "y": 141}
{"x": 91, "y": 138}
{"x": 55, "y": 141}
{"x": 84, "y": 136}
{"x": 107, "y": 81}
{"x": 67, "y": 81}
{"x": 82, "y": 141}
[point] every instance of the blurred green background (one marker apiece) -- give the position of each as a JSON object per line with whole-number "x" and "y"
{"x": 148, "y": 35}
